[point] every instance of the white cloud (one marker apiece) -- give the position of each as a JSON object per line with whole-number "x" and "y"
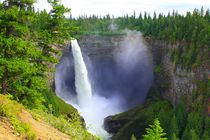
{"x": 121, "y": 7}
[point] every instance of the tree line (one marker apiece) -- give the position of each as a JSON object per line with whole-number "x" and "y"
{"x": 27, "y": 47}
{"x": 190, "y": 32}
{"x": 189, "y": 38}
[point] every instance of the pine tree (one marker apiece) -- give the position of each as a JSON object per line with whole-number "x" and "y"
{"x": 193, "y": 135}
{"x": 59, "y": 25}
{"x": 173, "y": 128}
{"x": 22, "y": 74}
{"x": 180, "y": 112}
{"x": 206, "y": 136}
{"x": 155, "y": 132}
{"x": 174, "y": 137}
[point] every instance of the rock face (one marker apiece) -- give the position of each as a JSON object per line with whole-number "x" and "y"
{"x": 103, "y": 45}
{"x": 51, "y": 75}
{"x": 112, "y": 126}
{"x": 174, "y": 81}
{"x": 109, "y": 77}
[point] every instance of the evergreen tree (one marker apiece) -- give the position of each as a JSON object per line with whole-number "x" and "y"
{"x": 180, "y": 111}
{"x": 26, "y": 40}
{"x": 174, "y": 137}
{"x": 155, "y": 132}
{"x": 195, "y": 122}
{"x": 59, "y": 25}
{"x": 19, "y": 56}
{"x": 174, "y": 129}
{"x": 193, "y": 135}
{"x": 206, "y": 136}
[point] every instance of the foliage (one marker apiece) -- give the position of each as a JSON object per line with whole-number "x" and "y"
{"x": 177, "y": 122}
{"x": 155, "y": 132}
{"x": 174, "y": 137}
{"x": 27, "y": 48}
{"x": 157, "y": 69}
{"x": 174, "y": 129}
{"x": 29, "y": 43}
{"x": 58, "y": 24}
{"x": 73, "y": 127}
{"x": 58, "y": 106}
{"x": 140, "y": 117}
{"x": 190, "y": 41}
{"x": 26, "y": 41}
{"x": 188, "y": 35}
{"x": 19, "y": 56}
{"x": 11, "y": 109}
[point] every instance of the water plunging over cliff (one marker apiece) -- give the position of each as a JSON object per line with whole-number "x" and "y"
{"x": 82, "y": 84}
{"x": 91, "y": 107}
{"x": 104, "y": 77}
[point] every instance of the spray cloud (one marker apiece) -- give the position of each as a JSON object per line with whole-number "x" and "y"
{"x": 120, "y": 77}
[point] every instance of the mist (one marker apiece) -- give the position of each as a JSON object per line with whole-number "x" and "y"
{"x": 120, "y": 79}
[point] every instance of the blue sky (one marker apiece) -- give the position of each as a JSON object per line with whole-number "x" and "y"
{"x": 121, "y": 7}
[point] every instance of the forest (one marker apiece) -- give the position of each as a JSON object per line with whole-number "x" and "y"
{"x": 29, "y": 48}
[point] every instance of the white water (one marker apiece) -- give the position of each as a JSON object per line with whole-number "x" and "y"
{"x": 89, "y": 102}
{"x": 82, "y": 84}
{"x": 93, "y": 108}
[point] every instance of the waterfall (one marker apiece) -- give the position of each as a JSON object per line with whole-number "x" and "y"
{"x": 82, "y": 84}
{"x": 120, "y": 81}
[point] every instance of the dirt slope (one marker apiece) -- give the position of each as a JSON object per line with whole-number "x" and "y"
{"x": 6, "y": 131}
{"x": 41, "y": 129}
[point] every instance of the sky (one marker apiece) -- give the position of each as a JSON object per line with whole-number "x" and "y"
{"x": 122, "y": 7}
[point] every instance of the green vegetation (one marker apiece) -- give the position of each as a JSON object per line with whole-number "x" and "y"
{"x": 72, "y": 127}
{"x": 155, "y": 132}
{"x": 26, "y": 51}
{"x": 133, "y": 137}
{"x": 11, "y": 110}
{"x": 178, "y": 123}
{"x": 29, "y": 43}
{"x": 188, "y": 37}
{"x": 188, "y": 34}
{"x": 57, "y": 107}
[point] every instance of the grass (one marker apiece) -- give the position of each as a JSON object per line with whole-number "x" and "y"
{"x": 58, "y": 107}
{"x": 10, "y": 109}
{"x": 64, "y": 117}
{"x": 72, "y": 126}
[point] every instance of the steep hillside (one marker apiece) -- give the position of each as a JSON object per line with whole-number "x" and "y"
{"x": 17, "y": 122}
{"x": 39, "y": 129}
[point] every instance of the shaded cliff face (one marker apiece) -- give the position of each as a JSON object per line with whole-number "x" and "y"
{"x": 117, "y": 69}
{"x": 173, "y": 81}
{"x": 113, "y": 72}
{"x": 170, "y": 82}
